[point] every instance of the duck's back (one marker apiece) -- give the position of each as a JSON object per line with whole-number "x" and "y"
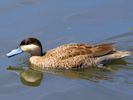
{"x": 72, "y": 50}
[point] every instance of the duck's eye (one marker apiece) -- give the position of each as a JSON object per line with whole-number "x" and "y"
{"x": 24, "y": 42}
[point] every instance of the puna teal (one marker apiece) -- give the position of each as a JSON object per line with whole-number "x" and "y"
{"x": 68, "y": 56}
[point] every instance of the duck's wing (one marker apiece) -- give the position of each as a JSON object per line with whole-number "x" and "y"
{"x": 72, "y": 50}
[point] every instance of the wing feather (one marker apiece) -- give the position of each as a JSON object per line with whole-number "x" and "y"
{"x": 71, "y": 50}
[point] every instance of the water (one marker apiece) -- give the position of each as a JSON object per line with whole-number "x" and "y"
{"x": 56, "y": 22}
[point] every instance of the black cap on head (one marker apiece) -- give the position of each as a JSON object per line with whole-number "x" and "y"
{"x": 30, "y": 41}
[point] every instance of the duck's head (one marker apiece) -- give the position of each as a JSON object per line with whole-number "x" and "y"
{"x": 30, "y": 45}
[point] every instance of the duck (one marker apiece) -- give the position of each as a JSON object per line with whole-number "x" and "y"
{"x": 68, "y": 56}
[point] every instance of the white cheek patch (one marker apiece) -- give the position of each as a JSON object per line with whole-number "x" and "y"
{"x": 30, "y": 47}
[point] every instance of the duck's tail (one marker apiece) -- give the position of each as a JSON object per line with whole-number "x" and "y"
{"x": 119, "y": 54}
{"x": 114, "y": 55}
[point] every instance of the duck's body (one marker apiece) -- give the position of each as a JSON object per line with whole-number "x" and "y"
{"x": 71, "y": 55}
{"x": 77, "y": 56}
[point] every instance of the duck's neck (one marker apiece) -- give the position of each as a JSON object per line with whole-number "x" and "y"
{"x": 37, "y": 52}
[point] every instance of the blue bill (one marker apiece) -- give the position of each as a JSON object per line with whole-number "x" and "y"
{"x": 14, "y": 52}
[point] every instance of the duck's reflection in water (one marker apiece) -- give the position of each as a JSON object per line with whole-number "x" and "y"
{"x": 28, "y": 76}
{"x": 34, "y": 77}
